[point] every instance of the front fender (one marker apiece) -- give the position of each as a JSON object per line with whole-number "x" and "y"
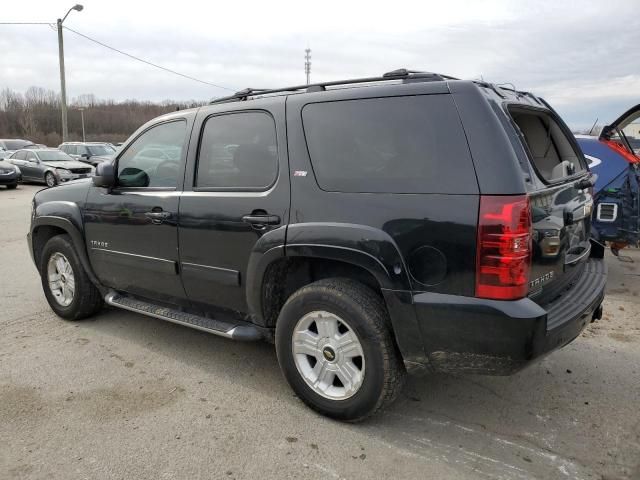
{"x": 65, "y": 216}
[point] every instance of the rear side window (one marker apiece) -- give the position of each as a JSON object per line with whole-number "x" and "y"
{"x": 550, "y": 151}
{"x": 238, "y": 151}
{"x": 412, "y": 144}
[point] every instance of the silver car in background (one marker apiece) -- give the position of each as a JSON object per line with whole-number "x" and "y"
{"x": 49, "y": 166}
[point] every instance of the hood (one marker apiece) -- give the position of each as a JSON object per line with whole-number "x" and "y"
{"x": 625, "y": 119}
{"x": 69, "y": 164}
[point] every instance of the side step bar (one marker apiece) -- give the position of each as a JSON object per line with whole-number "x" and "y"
{"x": 234, "y": 331}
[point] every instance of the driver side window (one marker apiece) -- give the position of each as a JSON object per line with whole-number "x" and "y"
{"x": 153, "y": 159}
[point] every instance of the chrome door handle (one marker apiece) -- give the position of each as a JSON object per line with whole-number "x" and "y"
{"x": 260, "y": 222}
{"x": 157, "y": 217}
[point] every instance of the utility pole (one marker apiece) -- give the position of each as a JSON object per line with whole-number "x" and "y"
{"x": 307, "y": 64}
{"x": 82, "y": 118}
{"x": 63, "y": 87}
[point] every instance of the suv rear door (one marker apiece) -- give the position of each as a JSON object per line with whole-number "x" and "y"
{"x": 561, "y": 211}
{"x": 236, "y": 194}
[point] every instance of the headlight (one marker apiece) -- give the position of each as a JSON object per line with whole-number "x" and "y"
{"x": 17, "y": 170}
{"x": 63, "y": 172}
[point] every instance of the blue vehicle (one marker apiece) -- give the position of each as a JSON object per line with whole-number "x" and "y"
{"x": 613, "y": 157}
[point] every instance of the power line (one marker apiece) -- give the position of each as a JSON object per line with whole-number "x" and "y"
{"x": 124, "y": 53}
{"x": 26, "y": 23}
{"x": 146, "y": 61}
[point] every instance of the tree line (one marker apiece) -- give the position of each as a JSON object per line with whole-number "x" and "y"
{"x": 35, "y": 115}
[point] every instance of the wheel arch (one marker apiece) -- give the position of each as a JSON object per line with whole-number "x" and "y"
{"x": 318, "y": 250}
{"x": 59, "y": 218}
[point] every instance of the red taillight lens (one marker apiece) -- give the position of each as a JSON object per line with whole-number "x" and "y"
{"x": 503, "y": 258}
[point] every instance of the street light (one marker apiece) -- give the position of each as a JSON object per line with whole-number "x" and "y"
{"x": 63, "y": 89}
{"x": 82, "y": 118}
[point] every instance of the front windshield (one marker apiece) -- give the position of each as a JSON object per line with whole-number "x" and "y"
{"x": 100, "y": 150}
{"x": 53, "y": 156}
{"x": 16, "y": 144}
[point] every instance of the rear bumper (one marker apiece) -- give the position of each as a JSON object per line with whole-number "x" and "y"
{"x": 474, "y": 335}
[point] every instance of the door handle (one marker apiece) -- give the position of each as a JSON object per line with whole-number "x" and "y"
{"x": 260, "y": 222}
{"x": 157, "y": 217}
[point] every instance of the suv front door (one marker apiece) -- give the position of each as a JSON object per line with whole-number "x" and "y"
{"x": 131, "y": 229}
{"x": 236, "y": 193}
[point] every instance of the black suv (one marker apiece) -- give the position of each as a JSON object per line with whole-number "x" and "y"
{"x": 371, "y": 226}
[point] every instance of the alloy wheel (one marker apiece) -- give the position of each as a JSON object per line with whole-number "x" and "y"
{"x": 328, "y": 355}
{"x": 61, "y": 279}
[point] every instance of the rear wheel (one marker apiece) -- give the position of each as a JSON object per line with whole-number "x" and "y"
{"x": 336, "y": 350}
{"x": 66, "y": 285}
{"x": 50, "y": 179}
{"x": 12, "y": 187}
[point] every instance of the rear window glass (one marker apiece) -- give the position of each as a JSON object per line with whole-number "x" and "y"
{"x": 551, "y": 153}
{"x": 412, "y": 144}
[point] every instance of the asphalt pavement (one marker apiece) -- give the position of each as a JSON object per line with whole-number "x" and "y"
{"x": 123, "y": 396}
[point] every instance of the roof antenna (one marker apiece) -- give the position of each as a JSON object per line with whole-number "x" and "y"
{"x": 594, "y": 126}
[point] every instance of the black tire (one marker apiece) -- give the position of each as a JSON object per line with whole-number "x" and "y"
{"x": 87, "y": 299}
{"x": 12, "y": 187}
{"x": 367, "y": 315}
{"x": 50, "y": 179}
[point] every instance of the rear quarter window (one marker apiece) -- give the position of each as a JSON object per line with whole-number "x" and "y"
{"x": 411, "y": 144}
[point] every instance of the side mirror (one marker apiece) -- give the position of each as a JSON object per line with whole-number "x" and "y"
{"x": 85, "y": 155}
{"x": 105, "y": 175}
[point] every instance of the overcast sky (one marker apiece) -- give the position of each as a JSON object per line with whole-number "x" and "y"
{"x": 583, "y": 58}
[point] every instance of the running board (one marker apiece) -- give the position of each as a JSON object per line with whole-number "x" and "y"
{"x": 234, "y": 331}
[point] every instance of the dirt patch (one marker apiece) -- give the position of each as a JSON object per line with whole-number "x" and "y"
{"x": 22, "y": 403}
{"x": 621, "y": 337}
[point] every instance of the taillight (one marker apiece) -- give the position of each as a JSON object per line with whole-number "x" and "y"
{"x": 503, "y": 258}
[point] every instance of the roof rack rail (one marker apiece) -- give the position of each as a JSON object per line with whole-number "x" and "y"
{"x": 407, "y": 76}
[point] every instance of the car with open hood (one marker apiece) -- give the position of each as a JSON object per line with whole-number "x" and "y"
{"x": 49, "y": 166}
{"x": 613, "y": 157}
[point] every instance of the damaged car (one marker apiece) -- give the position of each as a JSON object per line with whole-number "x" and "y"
{"x": 613, "y": 157}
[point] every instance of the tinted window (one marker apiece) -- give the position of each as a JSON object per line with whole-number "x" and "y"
{"x": 19, "y": 155}
{"x": 31, "y": 157}
{"x": 16, "y": 144}
{"x": 153, "y": 159}
{"x": 101, "y": 150}
{"x": 398, "y": 145}
{"x": 70, "y": 149}
{"x": 238, "y": 150}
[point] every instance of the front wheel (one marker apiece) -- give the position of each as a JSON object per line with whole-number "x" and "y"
{"x": 335, "y": 348}
{"x": 12, "y": 187}
{"x": 66, "y": 285}
{"x": 50, "y": 179}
